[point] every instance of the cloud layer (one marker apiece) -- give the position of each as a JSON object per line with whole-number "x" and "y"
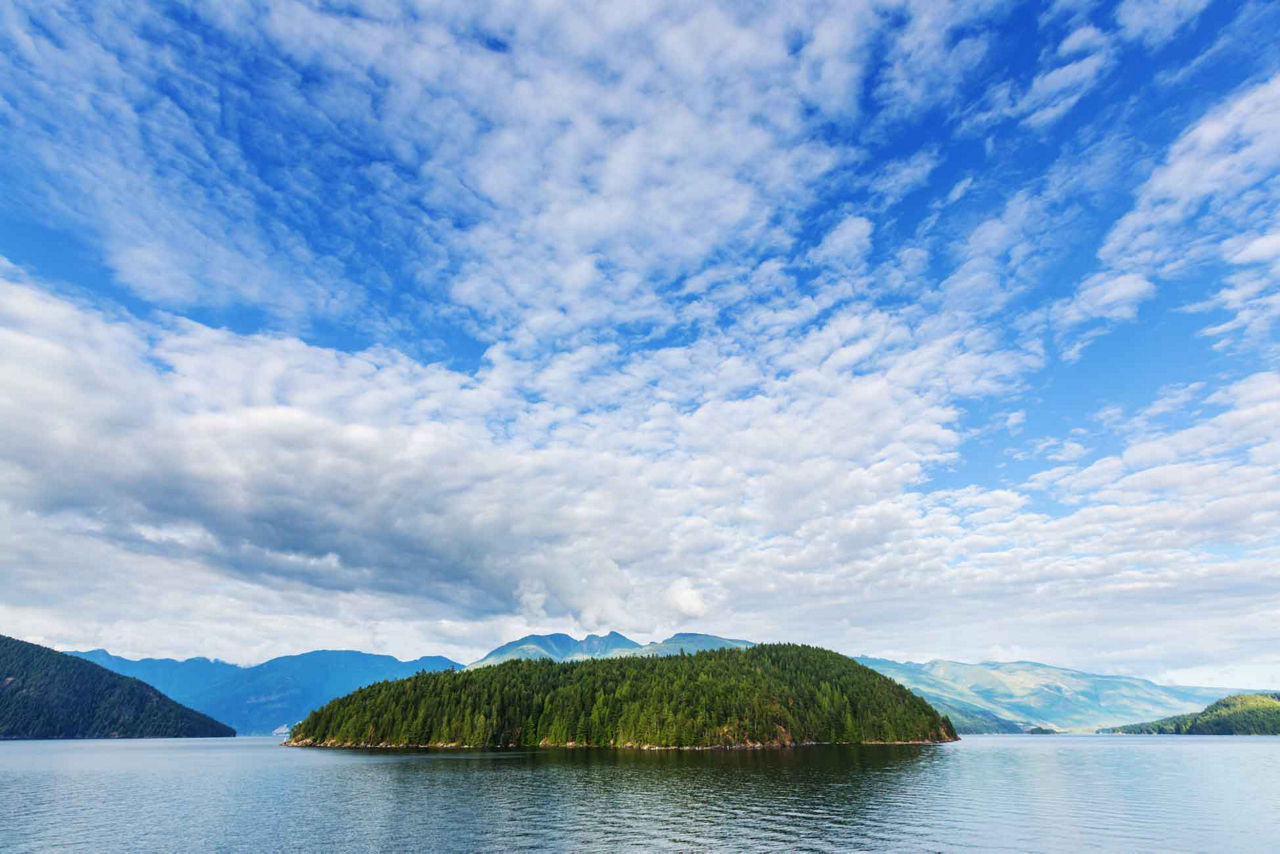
{"x": 416, "y": 328}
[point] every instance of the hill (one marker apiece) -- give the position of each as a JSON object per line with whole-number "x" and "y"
{"x": 46, "y": 694}
{"x": 562, "y": 647}
{"x": 277, "y": 693}
{"x": 1018, "y": 695}
{"x": 1241, "y": 714}
{"x": 776, "y": 694}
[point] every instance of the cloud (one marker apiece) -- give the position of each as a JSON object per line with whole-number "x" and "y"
{"x": 422, "y": 329}
{"x": 901, "y": 177}
{"x": 844, "y": 247}
{"x": 1155, "y": 22}
{"x": 684, "y": 598}
{"x": 1103, "y": 297}
{"x": 1214, "y": 197}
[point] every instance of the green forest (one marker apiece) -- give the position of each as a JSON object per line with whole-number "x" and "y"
{"x": 774, "y": 694}
{"x": 1241, "y": 714}
{"x": 46, "y": 694}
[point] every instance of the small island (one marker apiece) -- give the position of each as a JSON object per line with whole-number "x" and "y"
{"x": 772, "y": 695}
{"x": 1241, "y": 714}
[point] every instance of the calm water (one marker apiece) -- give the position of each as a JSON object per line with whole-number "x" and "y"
{"x": 993, "y": 793}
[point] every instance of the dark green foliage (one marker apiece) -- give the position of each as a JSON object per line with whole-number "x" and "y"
{"x": 774, "y": 694}
{"x": 46, "y": 694}
{"x": 1242, "y": 714}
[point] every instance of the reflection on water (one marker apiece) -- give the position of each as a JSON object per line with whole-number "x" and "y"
{"x": 1013, "y": 793}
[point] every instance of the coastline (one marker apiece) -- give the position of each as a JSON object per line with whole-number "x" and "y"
{"x": 575, "y": 746}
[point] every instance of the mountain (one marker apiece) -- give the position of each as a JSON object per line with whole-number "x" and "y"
{"x": 768, "y": 695}
{"x": 277, "y": 693}
{"x": 1241, "y": 714}
{"x": 1009, "y": 697}
{"x": 180, "y": 680}
{"x": 561, "y": 647}
{"x": 688, "y": 642}
{"x": 1015, "y": 696}
{"x": 46, "y": 694}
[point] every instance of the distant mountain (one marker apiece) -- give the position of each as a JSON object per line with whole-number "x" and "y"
{"x": 561, "y": 647}
{"x": 277, "y": 693}
{"x": 1015, "y": 696}
{"x": 689, "y": 643}
{"x": 1241, "y": 714}
{"x": 46, "y": 694}
{"x": 1008, "y": 697}
{"x": 180, "y": 680}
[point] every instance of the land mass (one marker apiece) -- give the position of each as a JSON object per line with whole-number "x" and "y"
{"x": 769, "y": 695}
{"x": 46, "y": 694}
{"x": 1241, "y": 714}
{"x": 270, "y": 696}
{"x": 992, "y": 696}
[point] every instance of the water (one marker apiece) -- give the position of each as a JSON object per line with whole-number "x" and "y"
{"x": 992, "y": 793}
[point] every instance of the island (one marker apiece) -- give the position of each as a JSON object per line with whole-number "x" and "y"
{"x": 47, "y": 694}
{"x": 772, "y": 695}
{"x": 1241, "y": 714}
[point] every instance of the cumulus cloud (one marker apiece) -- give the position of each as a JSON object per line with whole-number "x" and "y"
{"x": 422, "y": 329}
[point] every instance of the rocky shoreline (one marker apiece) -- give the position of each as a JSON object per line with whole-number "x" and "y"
{"x": 306, "y": 742}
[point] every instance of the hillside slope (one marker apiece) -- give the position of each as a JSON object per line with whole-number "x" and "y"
{"x": 777, "y": 694}
{"x": 1241, "y": 714}
{"x": 46, "y": 694}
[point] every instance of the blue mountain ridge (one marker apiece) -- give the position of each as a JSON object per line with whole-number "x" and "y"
{"x": 980, "y": 698}
{"x": 264, "y": 698}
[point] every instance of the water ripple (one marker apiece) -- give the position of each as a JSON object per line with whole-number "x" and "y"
{"x": 1012, "y": 794}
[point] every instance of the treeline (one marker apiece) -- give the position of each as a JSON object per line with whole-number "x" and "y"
{"x": 47, "y": 694}
{"x": 776, "y": 694}
{"x": 1241, "y": 714}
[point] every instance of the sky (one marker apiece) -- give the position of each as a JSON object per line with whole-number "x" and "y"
{"x": 912, "y": 329}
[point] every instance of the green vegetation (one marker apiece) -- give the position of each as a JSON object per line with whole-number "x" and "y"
{"x": 778, "y": 694}
{"x": 46, "y": 694}
{"x": 1242, "y": 714}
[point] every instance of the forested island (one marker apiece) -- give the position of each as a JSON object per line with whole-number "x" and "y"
{"x": 46, "y": 694}
{"x": 770, "y": 695}
{"x": 1241, "y": 714}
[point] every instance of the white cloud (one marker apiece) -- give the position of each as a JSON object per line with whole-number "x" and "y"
{"x": 685, "y": 599}
{"x": 845, "y": 246}
{"x": 670, "y": 408}
{"x": 1214, "y": 197}
{"x": 896, "y": 179}
{"x": 1154, "y": 22}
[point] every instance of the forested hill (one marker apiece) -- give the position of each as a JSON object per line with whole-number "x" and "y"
{"x": 46, "y": 694}
{"x": 1242, "y": 714}
{"x": 776, "y": 695}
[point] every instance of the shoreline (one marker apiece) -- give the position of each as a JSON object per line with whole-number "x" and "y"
{"x": 575, "y": 746}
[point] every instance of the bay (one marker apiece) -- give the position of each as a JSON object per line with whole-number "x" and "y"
{"x": 985, "y": 793}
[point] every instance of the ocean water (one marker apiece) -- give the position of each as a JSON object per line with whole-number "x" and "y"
{"x": 985, "y": 793}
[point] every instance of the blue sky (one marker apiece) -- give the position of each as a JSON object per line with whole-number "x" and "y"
{"x": 915, "y": 329}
